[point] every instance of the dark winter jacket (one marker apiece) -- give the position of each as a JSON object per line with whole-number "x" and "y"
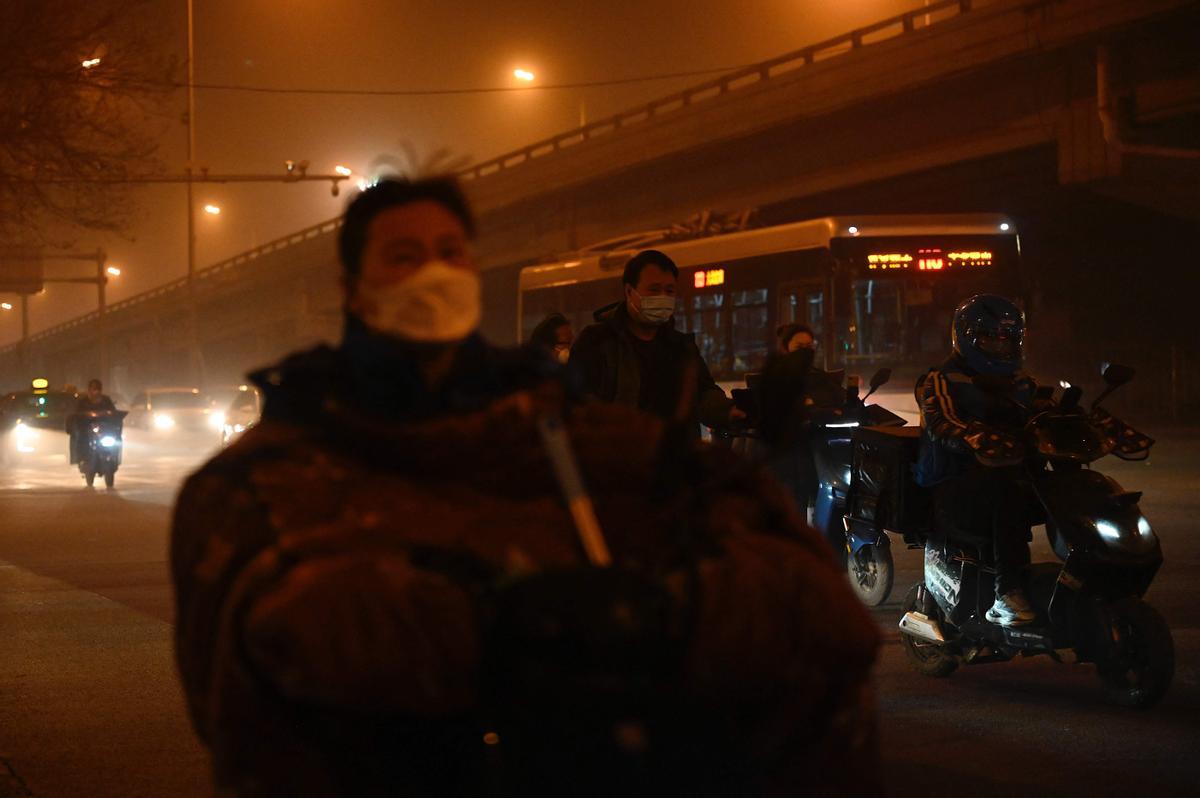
{"x": 960, "y": 418}
{"x": 335, "y": 568}
{"x": 86, "y": 405}
{"x": 658, "y": 377}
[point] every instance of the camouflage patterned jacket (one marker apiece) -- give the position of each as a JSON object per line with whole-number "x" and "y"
{"x": 326, "y": 647}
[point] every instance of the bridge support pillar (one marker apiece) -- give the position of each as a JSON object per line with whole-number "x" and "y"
{"x": 1083, "y": 154}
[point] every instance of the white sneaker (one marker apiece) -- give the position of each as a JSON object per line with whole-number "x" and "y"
{"x": 1011, "y": 609}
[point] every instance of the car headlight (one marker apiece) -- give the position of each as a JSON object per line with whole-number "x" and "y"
{"x": 216, "y": 420}
{"x": 108, "y": 441}
{"x": 25, "y": 436}
{"x": 163, "y": 421}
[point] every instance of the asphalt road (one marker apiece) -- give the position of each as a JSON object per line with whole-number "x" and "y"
{"x": 90, "y": 706}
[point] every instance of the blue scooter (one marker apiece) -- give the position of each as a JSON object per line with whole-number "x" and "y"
{"x": 835, "y": 433}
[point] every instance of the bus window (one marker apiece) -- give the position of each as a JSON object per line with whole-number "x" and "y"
{"x": 802, "y": 304}
{"x": 707, "y": 317}
{"x": 577, "y": 301}
{"x": 875, "y": 327}
{"x": 750, "y": 322}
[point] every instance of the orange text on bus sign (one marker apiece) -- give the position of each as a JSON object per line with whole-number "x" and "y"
{"x": 973, "y": 258}
{"x": 928, "y": 260}
{"x": 710, "y": 278}
{"x": 888, "y": 261}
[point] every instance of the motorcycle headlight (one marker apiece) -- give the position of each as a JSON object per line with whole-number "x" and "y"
{"x": 163, "y": 421}
{"x": 1144, "y": 528}
{"x": 108, "y": 441}
{"x": 216, "y": 420}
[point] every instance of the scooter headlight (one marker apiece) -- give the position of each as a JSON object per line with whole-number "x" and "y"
{"x": 108, "y": 441}
{"x": 1135, "y": 536}
{"x": 216, "y": 420}
{"x": 1108, "y": 530}
{"x": 163, "y": 421}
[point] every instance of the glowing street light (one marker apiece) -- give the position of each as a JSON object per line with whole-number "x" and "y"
{"x": 91, "y": 62}
{"x": 5, "y": 306}
{"x": 523, "y": 75}
{"x": 212, "y": 210}
{"x": 113, "y": 271}
{"x": 344, "y": 171}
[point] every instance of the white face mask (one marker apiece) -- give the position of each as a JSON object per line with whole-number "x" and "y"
{"x": 438, "y": 303}
{"x": 655, "y": 309}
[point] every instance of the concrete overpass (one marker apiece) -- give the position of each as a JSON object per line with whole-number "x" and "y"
{"x": 1072, "y": 115}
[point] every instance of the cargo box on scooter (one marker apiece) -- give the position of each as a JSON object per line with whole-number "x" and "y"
{"x": 882, "y": 491}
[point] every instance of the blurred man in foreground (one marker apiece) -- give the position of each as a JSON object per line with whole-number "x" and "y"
{"x": 381, "y": 588}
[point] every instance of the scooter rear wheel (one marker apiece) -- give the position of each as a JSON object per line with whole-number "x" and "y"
{"x": 871, "y": 573}
{"x": 1141, "y": 665}
{"x": 927, "y": 659}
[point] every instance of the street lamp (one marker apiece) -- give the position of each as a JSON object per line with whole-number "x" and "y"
{"x": 523, "y": 75}
{"x": 212, "y": 210}
{"x": 113, "y": 271}
{"x": 6, "y": 306}
{"x": 344, "y": 171}
{"x": 89, "y": 63}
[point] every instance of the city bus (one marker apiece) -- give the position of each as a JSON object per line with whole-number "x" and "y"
{"x": 876, "y": 290}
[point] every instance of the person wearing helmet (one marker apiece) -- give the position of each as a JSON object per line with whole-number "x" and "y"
{"x": 972, "y": 406}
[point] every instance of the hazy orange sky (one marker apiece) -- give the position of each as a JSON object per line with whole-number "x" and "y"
{"x": 408, "y": 44}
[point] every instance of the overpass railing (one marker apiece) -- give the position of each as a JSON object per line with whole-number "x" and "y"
{"x": 752, "y": 75}
{"x": 181, "y": 283}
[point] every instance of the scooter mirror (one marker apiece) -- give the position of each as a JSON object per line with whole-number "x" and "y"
{"x": 880, "y": 378}
{"x": 1115, "y": 374}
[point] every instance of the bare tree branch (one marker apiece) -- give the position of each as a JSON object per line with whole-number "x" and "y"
{"x": 60, "y": 118}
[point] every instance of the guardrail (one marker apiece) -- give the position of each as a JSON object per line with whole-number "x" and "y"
{"x": 181, "y": 283}
{"x": 752, "y": 75}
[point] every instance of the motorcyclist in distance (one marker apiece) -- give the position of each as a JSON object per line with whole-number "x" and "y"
{"x": 971, "y": 408}
{"x": 94, "y": 402}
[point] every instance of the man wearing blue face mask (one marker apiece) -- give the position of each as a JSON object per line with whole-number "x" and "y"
{"x": 634, "y": 355}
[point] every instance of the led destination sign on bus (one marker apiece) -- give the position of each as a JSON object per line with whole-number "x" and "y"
{"x": 707, "y": 278}
{"x": 929, "y": 260}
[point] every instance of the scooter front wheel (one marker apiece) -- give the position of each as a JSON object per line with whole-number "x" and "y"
{"x": 871, "y": 573}
{"x": 1141, "y": 663}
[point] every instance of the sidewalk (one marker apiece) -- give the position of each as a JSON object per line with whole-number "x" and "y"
{"x": 90, "y": 704}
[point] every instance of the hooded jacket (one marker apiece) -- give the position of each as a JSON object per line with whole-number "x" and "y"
{"x": 333, "y": 570}
{"x": 606, "y": 363}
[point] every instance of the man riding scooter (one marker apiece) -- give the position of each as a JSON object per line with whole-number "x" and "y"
{"x": 94, "y": 402}
{"x": 971, "y": 407}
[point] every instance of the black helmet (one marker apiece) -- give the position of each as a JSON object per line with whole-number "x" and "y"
{"x": 989, "y": 334}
